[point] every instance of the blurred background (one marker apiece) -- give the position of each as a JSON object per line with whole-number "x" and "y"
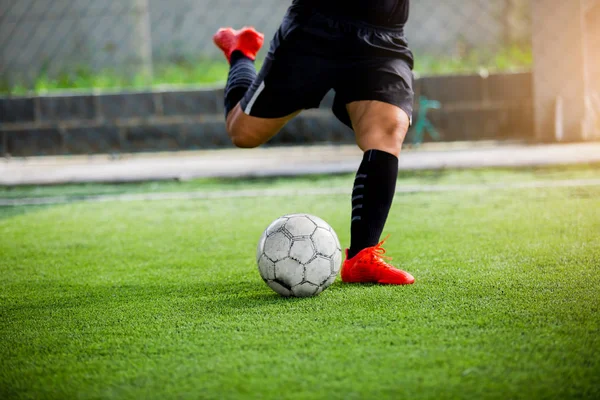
{"x": 114, "y": 43}
{"x": 143, "y": 75}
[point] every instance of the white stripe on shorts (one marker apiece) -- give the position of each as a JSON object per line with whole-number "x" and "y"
{"x": 254, "y": 97}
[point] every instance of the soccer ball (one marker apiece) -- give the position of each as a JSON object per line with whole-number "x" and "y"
{"x": 299, "y": 255}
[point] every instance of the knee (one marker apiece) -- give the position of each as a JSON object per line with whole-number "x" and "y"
{"x": 399, "y": 127}
{"x": 379, "y": 126}
{"x": 389, "y": 138}
{"x": 397, "y": 132}
{"x": 244, "y": 143}
{"x": 395, "y": 138}
{"x": 242, "y": 138}
{"x": 392, "y": 143}
{"x": 247, "y": 132}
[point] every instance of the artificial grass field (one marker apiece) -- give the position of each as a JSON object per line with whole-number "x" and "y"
{"x": 163, "y": 299}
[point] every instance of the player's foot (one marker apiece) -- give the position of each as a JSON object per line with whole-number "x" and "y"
{"x": 247, "y": 40}
{"x": 369, "y": 266}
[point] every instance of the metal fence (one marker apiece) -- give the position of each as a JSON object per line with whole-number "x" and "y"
{"x": 107, "y": 43}
{"x": 82, "y": 44}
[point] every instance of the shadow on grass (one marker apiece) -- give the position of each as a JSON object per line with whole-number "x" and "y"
{"x": 199, "y": 298}
{"x": 58, "y": 295}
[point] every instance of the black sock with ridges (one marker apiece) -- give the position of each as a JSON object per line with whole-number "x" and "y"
{"x": 372, "y": 197}
{"x": 241, "y": 75}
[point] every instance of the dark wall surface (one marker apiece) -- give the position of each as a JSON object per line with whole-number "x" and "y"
{"x": 472, "y": 108}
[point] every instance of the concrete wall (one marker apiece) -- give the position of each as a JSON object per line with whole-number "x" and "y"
{"x": 473, "y": 108}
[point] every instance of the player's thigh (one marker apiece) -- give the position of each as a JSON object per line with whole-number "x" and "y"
{"x": 375, "y": 98}
{"x": 378, "y": 125}
{"x": 248, "y": 131}
{"x": 266, "y": 107}
{"x": 374, "y": 90}
{"x": 291, "y": 79}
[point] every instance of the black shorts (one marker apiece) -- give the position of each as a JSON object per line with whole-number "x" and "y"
{"x": 312, "y": 53}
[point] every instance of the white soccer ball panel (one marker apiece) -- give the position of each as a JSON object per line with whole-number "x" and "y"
{"x": 299, "y": 255}
{"x": 337, "y": 240}
{"x": 302, "y": 250}
{"x": 336, "y": 262}
{"x": 289, "y": 271}
{"x": 275, "y": 226}
{"x": 329, "y": 281}
{"x": 300, "y": 226}
{"x": 277, "y": 246}
{"x": 318, "y": 270}
{"x": 288, "y": 216}
{"x": 266, "y": 268}
{"x": 320, "y": 290}
{"x": 279, "y": 289}
{"x": 260, "y": 249}
{"x": 320, "y": 223}
{"x": 305, "y": 289}
{"x": 324, "y": 242}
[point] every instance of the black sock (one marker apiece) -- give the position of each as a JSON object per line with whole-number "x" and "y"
{"x": 372, "y": 197}
{"x": 241, "y": 75}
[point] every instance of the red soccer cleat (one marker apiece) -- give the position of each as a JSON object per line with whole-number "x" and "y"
{"x": 247, "y": 40}
{"x": 369, "y": 266}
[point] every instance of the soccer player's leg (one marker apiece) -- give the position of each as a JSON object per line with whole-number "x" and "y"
{"x": 244, "y": 87}
{"x": 375, "y": 100}
{"x": 380, "y": 129}
{"x": 248, "y": 132}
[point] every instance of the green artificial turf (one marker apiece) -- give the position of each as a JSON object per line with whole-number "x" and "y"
{"x": 163, "y": 299}
{"x": 406, "y": 178}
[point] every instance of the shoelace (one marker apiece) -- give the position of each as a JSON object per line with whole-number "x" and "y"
{"x": 377, "y": 252}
